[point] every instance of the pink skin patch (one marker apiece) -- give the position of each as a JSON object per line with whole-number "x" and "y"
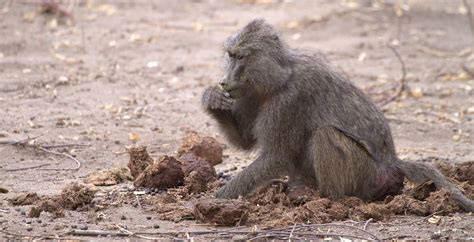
{"x": 386, "y": 182}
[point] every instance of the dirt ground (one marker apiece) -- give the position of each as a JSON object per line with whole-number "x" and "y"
{"x": 115, "y": 73}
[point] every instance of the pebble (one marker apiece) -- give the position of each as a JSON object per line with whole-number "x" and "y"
{"x": 44, "y": 225}
{"x": 156, "y": 226}
{"x": 29, "y": 229}
{"x": 17, "y": 209}
{"x": 58, "y": 227}
{"x": 148, "y": 218}
{"x": 83, "y": 227}
{"x": 233, "y": 168}
{"x": 28, "y": 222}
{"x": 436, "y": 236}
{"x": 39, "y": 221}
{"x": 23, "y": 212}
{"x": 123, "y": 217}
{"x": 73, "y": 226}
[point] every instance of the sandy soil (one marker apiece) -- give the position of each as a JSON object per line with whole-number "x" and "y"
{"x": 122, "y": 72}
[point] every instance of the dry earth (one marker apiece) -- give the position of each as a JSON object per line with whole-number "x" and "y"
{"x": 124, "y": 72}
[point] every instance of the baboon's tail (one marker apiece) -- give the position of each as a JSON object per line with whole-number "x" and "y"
{"x": 419, "y": 173}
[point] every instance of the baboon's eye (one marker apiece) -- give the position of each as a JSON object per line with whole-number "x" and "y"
{"x": 235, "y": 56}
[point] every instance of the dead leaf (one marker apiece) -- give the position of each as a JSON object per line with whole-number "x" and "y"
{"x": 134, "y": 137}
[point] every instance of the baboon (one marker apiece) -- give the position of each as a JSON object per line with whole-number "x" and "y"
{"x": 308, "y": 122}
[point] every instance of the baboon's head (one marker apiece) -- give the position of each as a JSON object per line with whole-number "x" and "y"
{"x": 256, "y": 59}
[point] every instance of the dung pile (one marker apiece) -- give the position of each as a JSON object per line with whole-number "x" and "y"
{"x": 74, "y": 196}
{"x": 193, "y": 167}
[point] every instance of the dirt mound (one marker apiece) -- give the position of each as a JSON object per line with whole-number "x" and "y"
{"x": 175, "y": 212}
{"x": 164, "y": 174}
{"x": 422, "y": 191}
{"x": 52, "y": 206}
{"x": 76, "y": 195}
{"x": 221, "y": 211}
{"x": 25, "y": 199}
{"x": 109, "y": 177}
{"x": 198, "y": 173}
{"x": 72, "y": 197}
{"x": 139, "y": 160}
{"x": 461, "y": 172}
{"x": 202, "y": 146}
{"x": 442, "y": 203}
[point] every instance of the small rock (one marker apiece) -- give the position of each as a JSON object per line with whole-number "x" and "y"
{"x": 436, "y": 235}
{"x": 28, "y": 222}
{"x": 123, "y": 217}
{"x": 29, "y": 229}
{"x": 73, "y": 226}
{"x": 58, "y": 227}
{"x": 23, "y": 213}
{"x": 156, "y": 226}
{"x": 148, "y": 218}
{"x": 39, "y": 221}
{"x": 44, "y": 225}
{"x": 83, "y": 227}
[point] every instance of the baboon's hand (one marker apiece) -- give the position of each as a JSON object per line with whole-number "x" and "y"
{"x": 215, "y": 98}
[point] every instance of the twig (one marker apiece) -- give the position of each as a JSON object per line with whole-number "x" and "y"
{"x": 328, "y": 225}
{"x": 367, "y": 223}
{"x": 47, "y": 149}
{"x": 401, "y": 81}
{"x": 134, "y": 234}
{"x": 292, "y": 230}
{"x": 78, "y": 163}
{"x": 97, "y": 233}
{"x": 471, "y": 20}
{"x": 27, "y": 168}
{"x": 17, "y": 142}
{"x": 306, "y": 234}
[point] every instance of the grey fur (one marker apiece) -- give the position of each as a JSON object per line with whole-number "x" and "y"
{"x": 308, "y": 122}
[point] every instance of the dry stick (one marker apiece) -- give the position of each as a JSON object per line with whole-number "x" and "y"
{"x": 401, "y": 82}
{"x": 19, "y": 142}
{"x": 307, "y": 234}
{"x": 27, "y": 168}
{"x": 329, "y": 225}
{"x": 134, "y": 234}
{"x": 471, "y": 20}
{"x": 97, "y": 233}
{"x": 367, "y": 223}
{"x": 78, "y": 163}
{"x": 292, "y": 230}
{"x": 24, "y": 143}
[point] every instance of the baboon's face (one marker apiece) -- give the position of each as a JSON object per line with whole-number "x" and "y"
{"x": 255, "y": 60}
{"x": 235, "y": 80}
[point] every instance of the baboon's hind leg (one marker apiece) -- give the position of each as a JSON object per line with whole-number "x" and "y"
{"x": 342, "y": 166}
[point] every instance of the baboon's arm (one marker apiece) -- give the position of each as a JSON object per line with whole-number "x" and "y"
{"x": 237, "y": 130}
{"x": 264, "y": 168}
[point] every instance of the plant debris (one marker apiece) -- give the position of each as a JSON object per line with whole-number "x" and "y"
{"x": 109, "y": 177}
{"x": 25, "y": 199}
{"x": 139, "y": 160}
